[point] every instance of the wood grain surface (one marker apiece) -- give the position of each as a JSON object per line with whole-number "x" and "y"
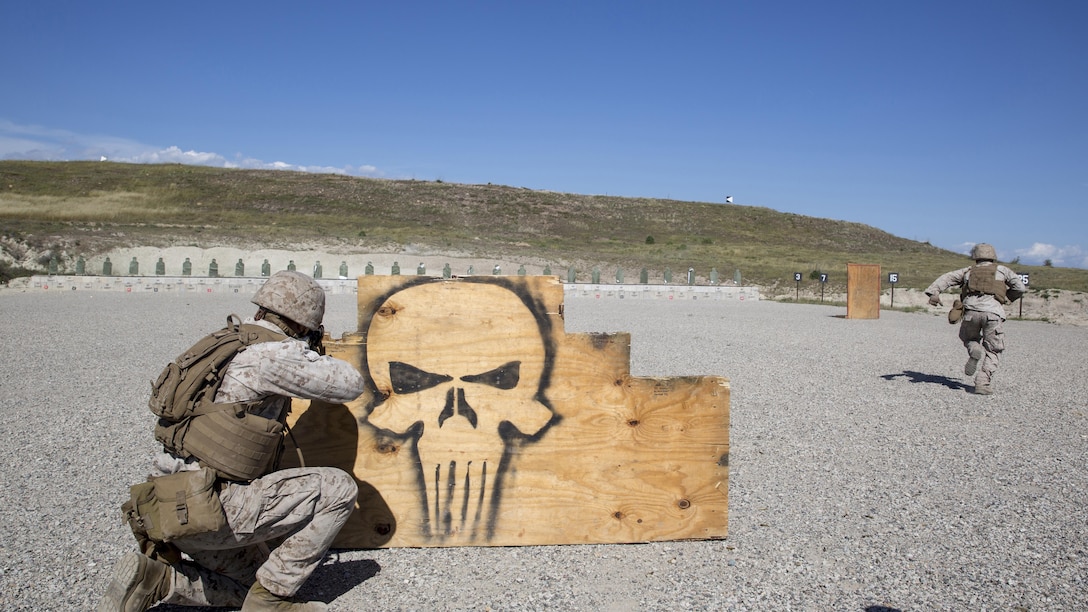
{"x": 485, "y": 424}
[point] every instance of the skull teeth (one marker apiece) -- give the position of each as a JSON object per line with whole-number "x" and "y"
{"x": 456, "y": 496}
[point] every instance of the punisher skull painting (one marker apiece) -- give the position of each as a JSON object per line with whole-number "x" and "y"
{"x": 463, "y": 382}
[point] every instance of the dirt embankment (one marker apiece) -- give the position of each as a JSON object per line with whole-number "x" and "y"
{"x": 1052, "y": 305}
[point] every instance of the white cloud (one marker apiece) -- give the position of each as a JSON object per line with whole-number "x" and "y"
{"x": 174, "y": 155}
{"x": 1070, "y": 256}
{"x": 1039, "y": 252}
{"x": 48, "y": 144}
{"x": 963, "y": 248}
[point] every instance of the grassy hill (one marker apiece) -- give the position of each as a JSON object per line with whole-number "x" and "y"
{"x": 93, "y": 207}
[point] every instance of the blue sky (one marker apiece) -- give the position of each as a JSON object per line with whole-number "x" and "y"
{"x": 948, "y": 121}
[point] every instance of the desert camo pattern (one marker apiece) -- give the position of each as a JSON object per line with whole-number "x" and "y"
{"x": 983, "y": 317}
{"x": 279, "y": 526}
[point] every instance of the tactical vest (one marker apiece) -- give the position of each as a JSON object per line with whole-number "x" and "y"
{"x": 228, "y": 438}
{"x": 982, "y": 279}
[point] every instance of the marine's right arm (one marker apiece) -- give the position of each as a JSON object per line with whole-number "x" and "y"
{"x": 947, "y": 280}
{"x": 289, "y": 368}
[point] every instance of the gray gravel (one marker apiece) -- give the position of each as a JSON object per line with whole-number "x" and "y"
{"x": 863, "y": 475}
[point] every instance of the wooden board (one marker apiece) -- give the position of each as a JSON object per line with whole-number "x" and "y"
{"x": 487, "y": 425}
{"x": 862, "y": 291}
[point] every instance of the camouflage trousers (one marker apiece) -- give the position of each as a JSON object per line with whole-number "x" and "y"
{"x": 985, "y": 329}
{"x": 279, "y": 528}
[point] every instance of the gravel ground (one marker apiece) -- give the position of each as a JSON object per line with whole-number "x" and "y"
{"x": 864, "y": 476}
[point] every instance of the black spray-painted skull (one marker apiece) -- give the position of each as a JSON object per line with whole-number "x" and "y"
{"x": 461, "y": 367}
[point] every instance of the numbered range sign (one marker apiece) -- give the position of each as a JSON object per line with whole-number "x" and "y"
{"x": 1024, "y": 278}
{"x": 823, "y": 278}
{"x": 893, "y": 278}
{"x": 797, "y": 276}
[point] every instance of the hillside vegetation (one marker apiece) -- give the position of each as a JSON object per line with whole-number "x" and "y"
{"x": 83, "y": 208}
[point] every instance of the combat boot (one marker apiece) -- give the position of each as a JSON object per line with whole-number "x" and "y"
{"x": 976, "y": 352}
{"x": 259, "y": 599}
{"x": 139, "y": 582}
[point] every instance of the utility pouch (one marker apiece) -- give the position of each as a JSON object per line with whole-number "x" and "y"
{"x": 143, "y": 495}
{"x": 188, "y": 504}
{"x": 139, "y": 513}
{"x": 174, "y": 506}
{"x": 956, "y": 313}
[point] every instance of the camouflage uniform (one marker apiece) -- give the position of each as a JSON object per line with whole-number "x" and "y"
{"x": 279, "y": 526}
{"x": 982, "y": 325}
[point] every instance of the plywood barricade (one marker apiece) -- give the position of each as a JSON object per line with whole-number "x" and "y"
{"x": 862, "y": 291}
{"x": 485, "y": 424}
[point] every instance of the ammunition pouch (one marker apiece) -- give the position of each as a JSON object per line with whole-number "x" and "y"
{"x": 956, "y": 313}
{"x": 174, "y": 506}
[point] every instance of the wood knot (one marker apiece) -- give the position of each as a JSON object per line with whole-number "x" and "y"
{"x": 387, "y": 311}
{"x": 387, "y": 448}
{"x": 383, "y": 528}
{"x": 633, "y": 422}
{"x": 683, "y": 504}
{"x": 617, "y": 515}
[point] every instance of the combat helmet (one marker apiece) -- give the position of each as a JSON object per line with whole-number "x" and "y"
{"x": 983, "y": 251}
{"x": 293, "y": 295}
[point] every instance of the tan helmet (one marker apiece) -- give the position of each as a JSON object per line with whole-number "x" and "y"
{"x": 295, "y": 296}
{"x": 983, "y": 251}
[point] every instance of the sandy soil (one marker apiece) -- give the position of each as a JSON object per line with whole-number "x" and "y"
{"x": 863, "y": 473}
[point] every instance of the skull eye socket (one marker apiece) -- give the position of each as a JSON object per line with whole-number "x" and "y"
{"x": 503, "y": 377}
{"x": 410, "y": 379}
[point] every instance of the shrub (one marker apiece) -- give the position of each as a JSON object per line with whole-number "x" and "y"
{"x": 8, "y": 272}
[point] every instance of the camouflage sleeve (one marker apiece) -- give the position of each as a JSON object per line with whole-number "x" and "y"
{"x": 290, "y": 368}
{"x": 954, "y": 278}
